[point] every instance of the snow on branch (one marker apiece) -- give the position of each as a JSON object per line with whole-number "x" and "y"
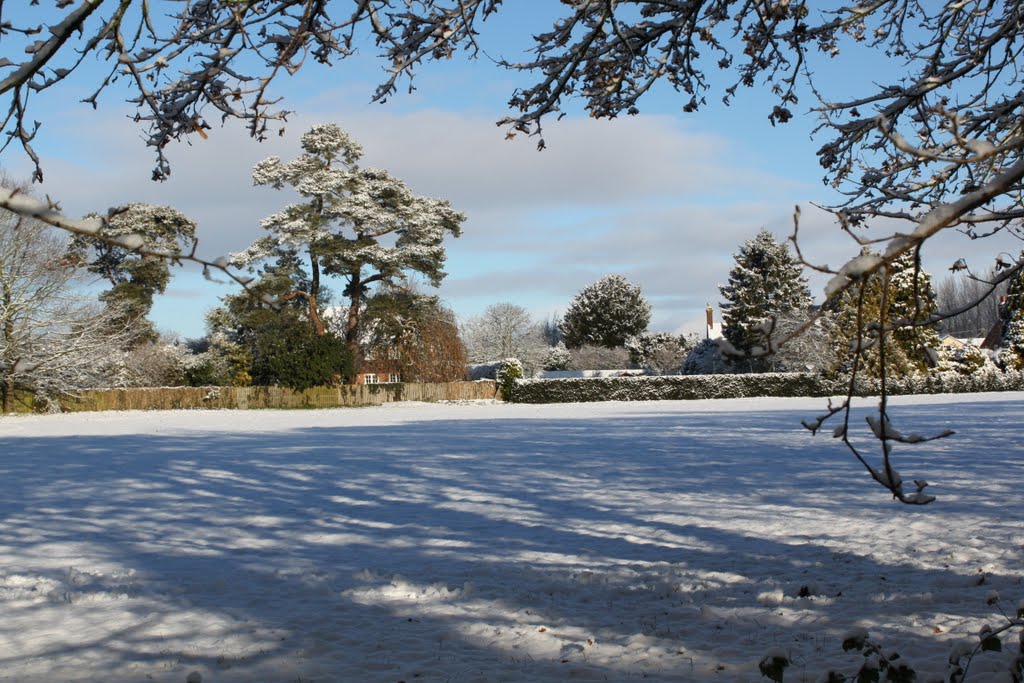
{"x": 94, "y": 227}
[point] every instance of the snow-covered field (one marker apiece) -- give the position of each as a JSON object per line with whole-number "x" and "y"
{"x": 666, "y": 541}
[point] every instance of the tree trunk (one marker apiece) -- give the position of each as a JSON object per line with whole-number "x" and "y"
{"x": 7, "y": 385}
{"x": 318, "y": 323}
{"x": 355, "y": 289}
{"x": 7, "y": 389}
{"x": 314, "y": 296}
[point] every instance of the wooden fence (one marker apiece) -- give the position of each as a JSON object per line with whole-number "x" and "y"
{"x": 243, "y": 398}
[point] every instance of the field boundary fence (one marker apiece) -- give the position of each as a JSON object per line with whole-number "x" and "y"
{"x": 247, "y": 398}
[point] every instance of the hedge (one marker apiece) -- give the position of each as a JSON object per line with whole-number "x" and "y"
{"x": 242, "y": 398}
{"x": 695, "y": 387}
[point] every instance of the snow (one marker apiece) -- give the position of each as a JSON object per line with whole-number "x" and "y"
{"x": 655, "y": 541}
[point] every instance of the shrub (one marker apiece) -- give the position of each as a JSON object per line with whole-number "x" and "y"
{"x": 705, "y": 358}
{"x": 508, "y": 372}
{"x": 599, "y": 358}
{"x": 658, "y": 352}
{"x": 966, "y": 360}
{"x": 296, "y": 358}
{"x": 693, "y": 387}
{"x": 669, "y": 388}
{"x": 558, "y": 358}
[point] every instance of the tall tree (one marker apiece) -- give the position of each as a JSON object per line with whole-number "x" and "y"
{"x": 861, "y": 321}
{"x": 134, "y": 278}
{"x": 363, "y": 225}
{"x": 606, "y": 313}
{"x": 766, "y": 282}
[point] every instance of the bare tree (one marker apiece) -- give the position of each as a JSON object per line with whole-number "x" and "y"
{"x": 505, "y": 330}
{"x": 958, "y": 292}
{"x": 52, "y": 340}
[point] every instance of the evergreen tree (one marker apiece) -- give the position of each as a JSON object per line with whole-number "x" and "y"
{"x": 909, "y": 298}
{"x": 296, "y": 357}
{"x": 766, "y": 282}
{"x": 245, "y": 332}
{"x": 912, "y": 298}
{"x": 606, "y": 313}
{"x": 1011, "y": 353}
{"x": 134, "y": 279}
{"x": 362, "y": 225}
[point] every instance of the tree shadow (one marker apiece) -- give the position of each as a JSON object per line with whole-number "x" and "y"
{"x": 664, "y": 546}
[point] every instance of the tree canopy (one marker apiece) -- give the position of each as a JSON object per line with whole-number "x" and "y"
{"x": 941, "y": 126}
{"x": 605, "y": 313}
{"x": 363, "y": 225}
{"x": 134, "y": 278}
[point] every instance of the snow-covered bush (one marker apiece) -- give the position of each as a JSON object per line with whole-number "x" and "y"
{"x": 508, "y": 372}
{"x": 668, "y": 387}
{"x": 558, "y": 358}
{"x": 947, "y": 383}
{"x": 966, "y": 360}
{"x": 659, "y": 352}
{"x": 693, "y": 387}
{"x": 705, "y": 358}
{"x": 598, "y": 358}
{"x": 159, "y": 364}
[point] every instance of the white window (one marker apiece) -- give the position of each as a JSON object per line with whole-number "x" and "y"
{"x": 370, "y": 378}
{"x": 393, "y": 378}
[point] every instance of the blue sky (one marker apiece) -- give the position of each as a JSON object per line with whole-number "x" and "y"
{"x": 663, "y": 198}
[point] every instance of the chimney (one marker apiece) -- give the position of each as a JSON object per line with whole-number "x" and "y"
{"x": 711, "y": 320}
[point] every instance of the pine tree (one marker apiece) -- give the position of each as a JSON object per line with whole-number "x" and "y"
{"x": 134, "y": 279}
{"x": 766, "y": 281}
{"x": 909, "y": 298}
{"x": 363, "y": 225}
{"x": 606, "y": 313}
{"x": 1011, "y": 353}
